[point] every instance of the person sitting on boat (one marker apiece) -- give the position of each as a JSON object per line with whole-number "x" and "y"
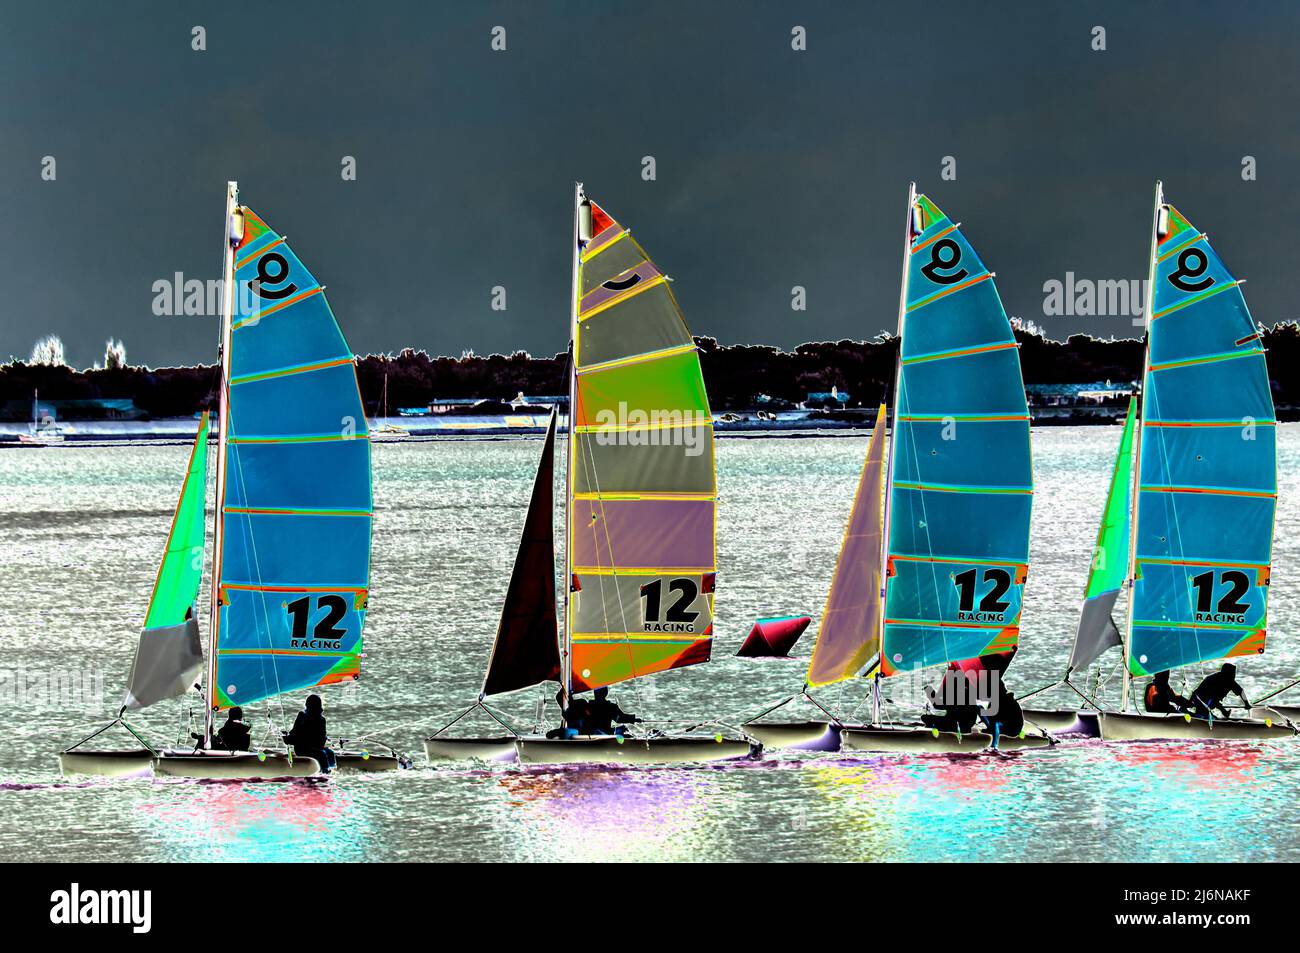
{"x": 1006, "y": 719}
{"x": 236, "y": 734}
{"x": 308, "y": 736}
{"x": 603, "y": 713}
{"x": 954, "y": 702}
{"x": 1214, "y": 688}
{"x": 1161, "y": 699}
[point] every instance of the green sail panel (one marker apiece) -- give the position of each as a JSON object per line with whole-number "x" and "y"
{"x": 1207, "y": 453}
{"x": 169, "y": 656}
{"x": 961, "y": 482}
{"x": 642, "y": 488}
{"x": 296, "y": 505}
{"x": 1097, "y": 630}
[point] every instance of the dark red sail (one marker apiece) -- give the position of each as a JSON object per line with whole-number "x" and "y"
{"x": 527, "y": 648}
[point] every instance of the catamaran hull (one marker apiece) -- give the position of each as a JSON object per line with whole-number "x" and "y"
{"x": 610, "y": 750}
{"x": 1064, "y": 721}
{"x": 1130, "y": 726}
{"x": 795, "y": 735}
{"x": 107, "y": 764}
{"x": 922, "y": 740}
{"x": 365, "y": 762}
{"x": 1282, "y": 713}
{"x": 236, "y": 766}
{"x": 471, "y": 749}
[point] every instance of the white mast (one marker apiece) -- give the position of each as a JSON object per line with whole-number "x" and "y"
{"x": 889, "y": 458}
{"x": 1148, "y": 306}
{"x": 234, "y": 233}
{"x": 566, "y": 639}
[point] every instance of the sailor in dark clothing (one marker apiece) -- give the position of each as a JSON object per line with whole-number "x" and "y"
{"x": 1005, "y": 719}
{"x": 572, "y": 716}
{"x": 1161, "y": 699}
{"x": 308, "y": 735}
{"x": 1209, "y": 695}
{"x": 235, "y": 734}
{"x": 603, "y": 713}
{"x": 954, "y": 703}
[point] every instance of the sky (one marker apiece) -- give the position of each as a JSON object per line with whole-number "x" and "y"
{"x": 774, "y": 167}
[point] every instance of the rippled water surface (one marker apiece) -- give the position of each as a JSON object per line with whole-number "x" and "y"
{"x": 81, "y": 530}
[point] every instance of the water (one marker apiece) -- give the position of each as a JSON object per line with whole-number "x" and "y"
{"x": 82, "y": 529}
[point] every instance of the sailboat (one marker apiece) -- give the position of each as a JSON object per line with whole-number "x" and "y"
{"x": 292, "y": 519}
{"x": 386, "y": 432}
{"x": 169, "y": 655}
{"x": 1204, "y": 489}
{"x": 1097, "y": 630}
{"x": 44, "y": 432}
{"x": 639, "y": 506}
{"x": 934, "y": 560}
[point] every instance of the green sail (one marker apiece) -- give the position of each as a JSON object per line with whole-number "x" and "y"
{"x": 169, "y": 655}
{"x": 1097, "y": 630}
{"x": 181, "y": 571}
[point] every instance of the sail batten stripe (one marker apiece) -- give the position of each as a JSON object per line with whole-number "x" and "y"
{"x": 290, "y": 371}
{"x": 930, "y": 299}
{"x": 1207, "y": 423}
{"x": 938, "y": 624}
{"x": 1212, "y": 490}
{"x": 1196, "y": 237}
{"x": 1208, "y": 359}
{"x": 319, "y": 653}
{"x": 294, "y": 511}
{"x": 934, "y": 238}
{"x": 260, "y": 251}
{"x": 298, "y": 438}
{"x": 623, "y": 570}
{"x": 291, "y": 587}
{"x": 637, "y": 359}
{"x": 589, "y": 255}
{"x": 962, "y": 418}
{"x": 960, "y": 352}
{"x": 1195, "y": 298}
{"x": 253, "y": 319}
{"x": 639, "y": 288}
{"x": 977, "y": 561}
{"x": 964, "y": 488}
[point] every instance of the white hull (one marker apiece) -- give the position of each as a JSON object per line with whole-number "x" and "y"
{"x": 1132, "y": 726}
{"x": 365, "y": 762}
{"x": 1277, "y": 713}
{"x": 1064, "y": 721}
{"x": 919, "y": 739}
{"x": 441, "y": 748}
{"x": 136, "y": 763}
{"x": 607, "y": 749}
{"x": 233, "y": 765}
{"x": 795, "y": 735}
{"x": 41, "y": 440}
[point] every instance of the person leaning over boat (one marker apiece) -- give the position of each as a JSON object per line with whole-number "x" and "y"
{"x": 1214, "y": 688}
{"x": 235, "y": 735}
{"x": 308, "y": 736}
{"x": 1161, "y": 699}
{"x": 1005, "y": 720}
{"x": 956, "y": 710}
{"x": 573, "y": 717}
{"x": 603, "y": 713}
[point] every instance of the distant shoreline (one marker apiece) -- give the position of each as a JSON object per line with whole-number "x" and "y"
{"x": 425, "y": 429}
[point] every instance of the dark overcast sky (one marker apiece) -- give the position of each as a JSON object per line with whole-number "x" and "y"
{"x": 775, "y": 168}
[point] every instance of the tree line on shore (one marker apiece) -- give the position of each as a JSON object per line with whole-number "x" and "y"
{"x": 735, "y": 374}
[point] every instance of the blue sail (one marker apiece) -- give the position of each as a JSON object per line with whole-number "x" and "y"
{"x": 961, "y": 479}
{"x": 1208, "y": 464}
{"x": 296, "y": 503}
